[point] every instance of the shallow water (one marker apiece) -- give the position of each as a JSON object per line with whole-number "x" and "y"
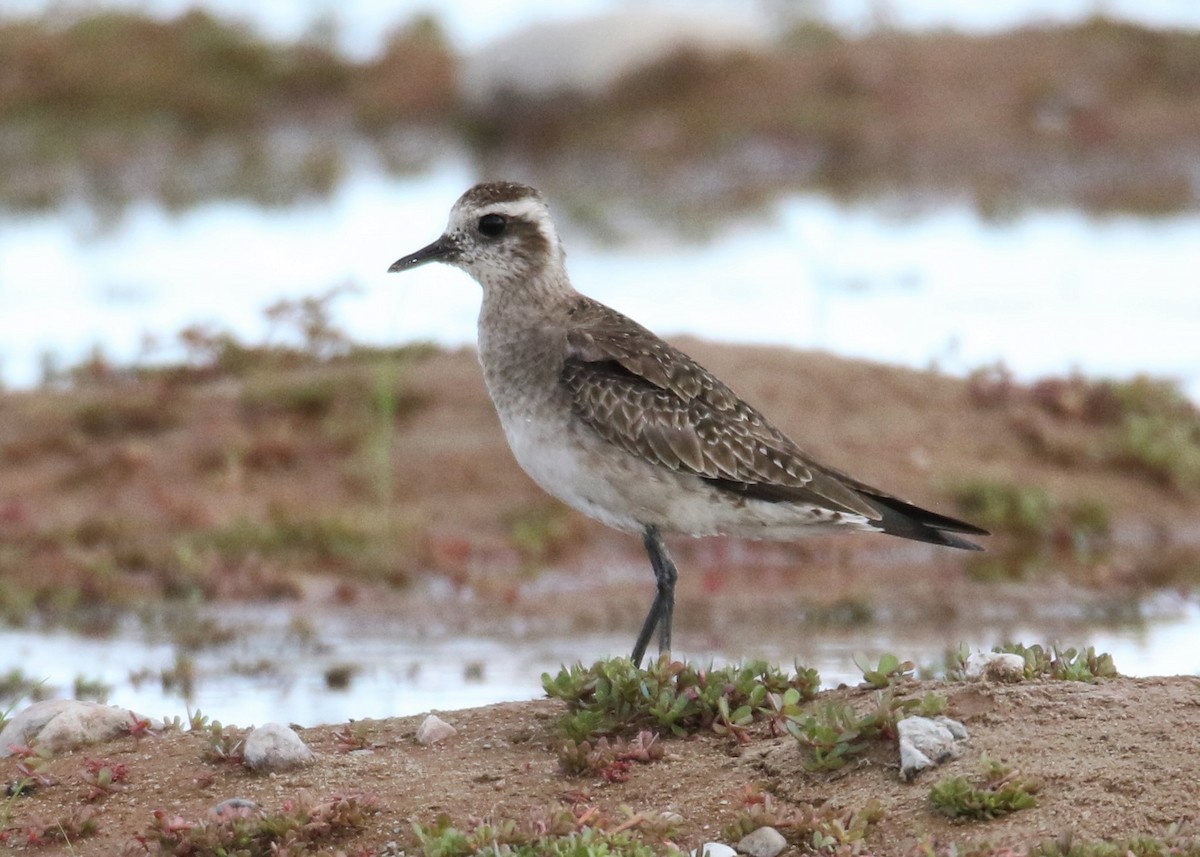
{"x": 1045, "y": 293}
{"x": 360, "y": 26}
{"x": 268, "y": 674}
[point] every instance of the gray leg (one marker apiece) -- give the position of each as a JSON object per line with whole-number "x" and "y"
{"x": 663, "y": 608}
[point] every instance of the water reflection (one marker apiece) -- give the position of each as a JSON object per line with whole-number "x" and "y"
{"x": 1046, "y": 293}
{"x": 271, "y": 674}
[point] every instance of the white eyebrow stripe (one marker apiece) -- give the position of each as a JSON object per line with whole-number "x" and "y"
{"x": 526, "y": 209}
{"x": 530, "y": 210}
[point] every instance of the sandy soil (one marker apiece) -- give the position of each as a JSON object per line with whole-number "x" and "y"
{"x": 1115, "y": 758}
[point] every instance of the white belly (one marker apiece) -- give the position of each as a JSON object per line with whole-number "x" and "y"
{"x": 573, "y": 470}
{"x": 606, "y": 483}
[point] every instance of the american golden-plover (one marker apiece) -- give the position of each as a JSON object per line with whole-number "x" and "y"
{"x": 627, "y": 429}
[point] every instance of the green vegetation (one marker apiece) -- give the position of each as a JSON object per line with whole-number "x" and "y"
{"x": 1052, "y": 661}
{"x": 1005, "y": 508}
{"x": 823, "y": 829}
{"x": 834, "y": 732}
{"x": 123, "y": 413}
{"x": 1143, "y": 425}
{"x": 16, "y": 685}
{"x": 542, "y": 533}
{"x": 1174, "y": 843}
{"x": 103, "y": 778}
{"x": 849, "y": 611}
{"x": 613, "y": 699}
{"x": 329, "y": 540}
{"x": 1002, "y": 791}
{"x": 557, "y": 833}
{"x": 610, "y": 759}
{"x": 222, "y": 744}
{"x": 616, "y": 697}
{"x": 1163, "y": 447}
{"x": 887, "y": 672}
{"x": 180, "y": 677}
{"x": 355, "y": 735}
{"x": 298, "y": 827}
{"x": 77, "y": 823}
{"x": 1036, "y": 529}
{"x": 93, "y": 689}
{"x": 1063, "y": 664}
{"x": 1028, "y": 514}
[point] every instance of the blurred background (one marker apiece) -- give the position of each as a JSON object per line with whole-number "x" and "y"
{"x": 951, "y": 247}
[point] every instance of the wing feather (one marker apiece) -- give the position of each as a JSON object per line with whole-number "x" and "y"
{"x": 652, "y": 400}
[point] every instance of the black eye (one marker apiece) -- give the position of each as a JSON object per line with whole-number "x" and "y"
{"x": 492, "y": 225}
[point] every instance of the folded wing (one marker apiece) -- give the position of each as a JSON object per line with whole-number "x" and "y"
{"x": 652, "y": 400}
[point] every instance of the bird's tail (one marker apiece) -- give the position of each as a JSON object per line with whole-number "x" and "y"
{"x": 912, "y": 522}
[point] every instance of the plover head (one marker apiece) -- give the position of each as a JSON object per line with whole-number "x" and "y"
{"x": 499, "y": 233}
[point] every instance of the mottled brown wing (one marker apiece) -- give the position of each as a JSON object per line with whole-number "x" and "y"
{"x": 654, "y": 401}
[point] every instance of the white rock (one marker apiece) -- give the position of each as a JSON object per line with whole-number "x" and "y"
{"x": 274, "y": 747}
{"x": 27, "y": 723}
{"x": 925, "y": 743}
{"x": 589, "y": 55}
{"x": 434, "y": 729}
{"x": 995, "y": 666}
{"x": 714, "y": 849}
{"x": 956, "y": 729}
{"x": 65, "y": 724}
{"x": 764, "y": 842}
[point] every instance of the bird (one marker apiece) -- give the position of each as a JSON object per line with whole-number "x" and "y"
{"x": 628, "y": 429}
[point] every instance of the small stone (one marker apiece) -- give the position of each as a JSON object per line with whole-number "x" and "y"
{"x": 995, "y": 666}
{"x": 234, "y": 807}
{"x": 956, "y": 729}
{"x": 433, "y": 730}
{"x": 764, "y": 842}
{"x": 66, "y": 724}
{"x": 274, "y": 747}
{"x": 714, "y": 849}
{"x": 925, "y": 743}
{"x": 912, "y": 761}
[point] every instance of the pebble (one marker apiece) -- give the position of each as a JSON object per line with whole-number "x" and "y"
{"x": 274, "y": 747}
{"x": 233, "y": 807}
{"x": 714, "y": 849}
{"x": 959, "y": 731}
{"x": 66, "y": 724}
{"x": 764, "y": 842}
{"x": 995, "y": 666}
{"x": 926, "y": 742}
{"x": 433, "y": 730}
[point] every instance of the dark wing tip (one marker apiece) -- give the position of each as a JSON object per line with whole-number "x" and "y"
{"x": 912, "y": 522}
{"x": 953, "y": 541}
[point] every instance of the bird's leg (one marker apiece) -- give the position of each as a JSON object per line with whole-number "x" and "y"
{"x": 663, "y": 608}
{"x": 665, "y": 575}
